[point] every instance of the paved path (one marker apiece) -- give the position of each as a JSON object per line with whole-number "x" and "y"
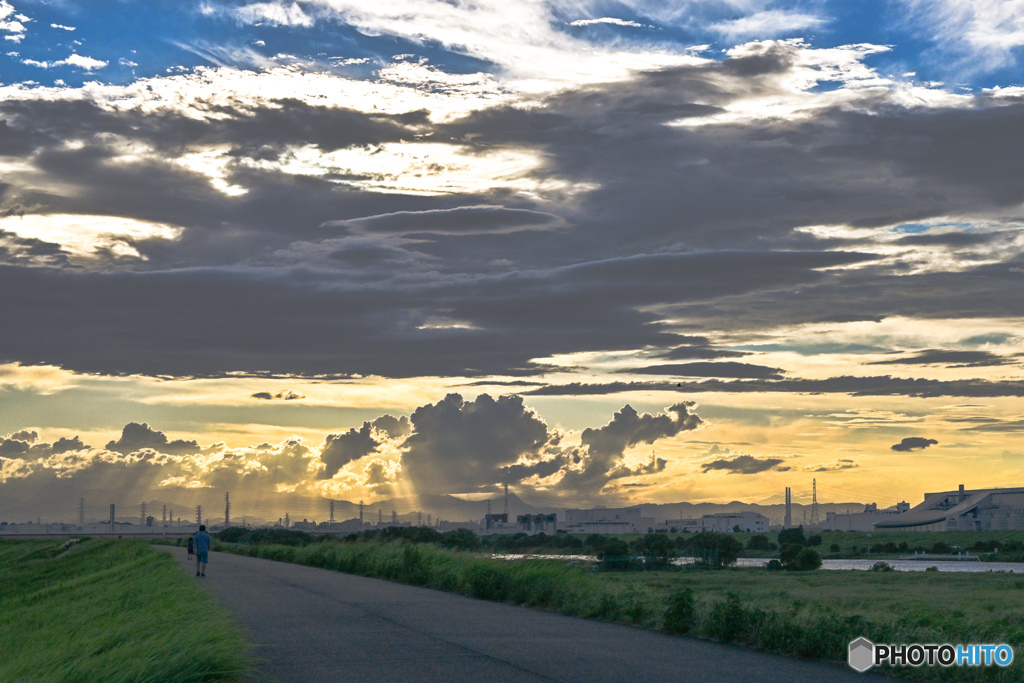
{"x": 319, "y": 625}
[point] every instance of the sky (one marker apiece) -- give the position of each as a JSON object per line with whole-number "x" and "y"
{"x": 604, "y": 252}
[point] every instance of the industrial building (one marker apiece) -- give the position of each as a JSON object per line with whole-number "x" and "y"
{"x": 962, "y": 510}
{"x": 608, "y": 521}
{"x": 861, "y": 521}
{"x": 729, "y": 521}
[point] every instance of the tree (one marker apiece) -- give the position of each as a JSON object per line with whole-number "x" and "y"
{"x": 713, "y": 549}
{"x": 799, "y": 558}
{"x": 759, "y": 542}
{"x": 792, "y": 536}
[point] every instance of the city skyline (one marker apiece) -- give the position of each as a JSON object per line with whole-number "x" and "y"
{"x": 603, "y": 253}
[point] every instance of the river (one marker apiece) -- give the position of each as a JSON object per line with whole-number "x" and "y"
{"x": 898, "y": 565}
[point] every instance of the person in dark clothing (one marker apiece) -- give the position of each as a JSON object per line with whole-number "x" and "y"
{"x": 202, "y": 550}
{"x": 191, "y": 547}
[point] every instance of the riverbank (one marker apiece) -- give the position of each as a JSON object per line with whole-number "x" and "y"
{"x": 804, "y": 614}
{"x": 100, "y": 610}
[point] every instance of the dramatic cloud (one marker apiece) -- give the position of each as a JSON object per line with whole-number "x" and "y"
{"x": 721, "y": 369}
{"x": 959, "y": 359}
{"x": 340, "y": 449}
{"x": 136, "y": 437}
{"x": 913, "y": 442}
{"x": 601, "y": 459}
{"x": 463, "y": 446}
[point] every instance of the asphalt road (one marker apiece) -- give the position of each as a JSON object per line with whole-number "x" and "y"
{"x": 318, "y": 625}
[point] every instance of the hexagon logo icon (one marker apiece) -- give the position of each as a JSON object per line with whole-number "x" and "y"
{"x": 862, "y": 655}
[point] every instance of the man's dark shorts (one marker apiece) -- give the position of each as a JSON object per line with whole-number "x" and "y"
{"x": 203, "y": 557}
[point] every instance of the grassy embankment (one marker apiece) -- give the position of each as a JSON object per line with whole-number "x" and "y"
{"x": 108, "y": 610}
{"x": 808, "y": 614}
{"x": 894, "y": 544}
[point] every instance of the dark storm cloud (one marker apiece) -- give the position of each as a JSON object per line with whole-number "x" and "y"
{"x": 913, "y": 442}
{"x": 137, "y": 437}
{"x": 856, "y": 386}
{"x": 460, "y": 220}
{"x": 690, "y": 223}
{"x": 697, "y": 348}
{"x": 721, "y": 369}
{"x": 743, "y": 464}
{"x": 956, "y": 359}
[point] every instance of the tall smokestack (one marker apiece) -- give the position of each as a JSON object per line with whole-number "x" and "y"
{"x": 788, "y": 521}
{"x": 227, "y": 509}
{"x": 111, "y": 518}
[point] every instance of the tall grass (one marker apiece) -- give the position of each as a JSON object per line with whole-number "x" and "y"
{"x": 109, "y": 610}
{"x": 810, "y": 615}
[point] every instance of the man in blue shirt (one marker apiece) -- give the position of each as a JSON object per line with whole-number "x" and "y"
{"x": 202, "y": 550}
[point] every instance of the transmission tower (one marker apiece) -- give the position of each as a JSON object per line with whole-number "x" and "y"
{"x": 227, "y": 509}
{"x": 199, "y": 515}
{"x": 81, "y": 513}
{"x": 814, "y": 501}
{"x": 287, "y": 521}
{"x": 163, "y": 521}
{"x": 429, "y": 520}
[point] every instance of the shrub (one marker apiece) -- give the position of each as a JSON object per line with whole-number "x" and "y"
{"x": 834, "y": 548}
{"x": 799, "y": 558}
{"x": 814, "y": 540}
{"x": 881, "y": 567}
{"x": 681, "y": 612}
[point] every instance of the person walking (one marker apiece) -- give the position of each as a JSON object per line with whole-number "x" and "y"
{"x": 202, "y": 550}
{"x": 191, "y": 547}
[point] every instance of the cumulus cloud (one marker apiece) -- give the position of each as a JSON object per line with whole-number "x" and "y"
{"x": 463, "y": 446}
{"x": 911, "y": 443}
{"x": 76, "y": 60}
{"x": 136, "y": 437}
{"x": 29, "y": 435}
{"x": 600, "y": 460}
{"x": 340, "y": 449}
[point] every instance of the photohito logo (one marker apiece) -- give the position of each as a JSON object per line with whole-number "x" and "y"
{"x": 864, "y": 654}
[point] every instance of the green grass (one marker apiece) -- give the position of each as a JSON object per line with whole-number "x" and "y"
{"x": 808, "y": 614}
{"x": 109, "y": 610}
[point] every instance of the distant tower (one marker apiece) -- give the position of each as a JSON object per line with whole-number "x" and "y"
{"x": 360, "y": 513}
{"x": 227, "y": 509}
{"x": 380, "y": 517}
{"x": 111, "y": 518}
{"x": 81, "y": 513}
{"x": 163, "y": 520}
{"x": 419, "y": 519}
{"x": 814, "y": 501}
{"x": 170, "y": 516}
{"x": 394, "y": 517}
{"x": 332, "y": 512}
{"x": 287, "y": 521}
{"x": 199, "y": 515}
{"x": 429, "y": 523}
{"x": 506, "y": 500}
{"x": 788, "y": 521}
{"x": 142, "y": 519}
